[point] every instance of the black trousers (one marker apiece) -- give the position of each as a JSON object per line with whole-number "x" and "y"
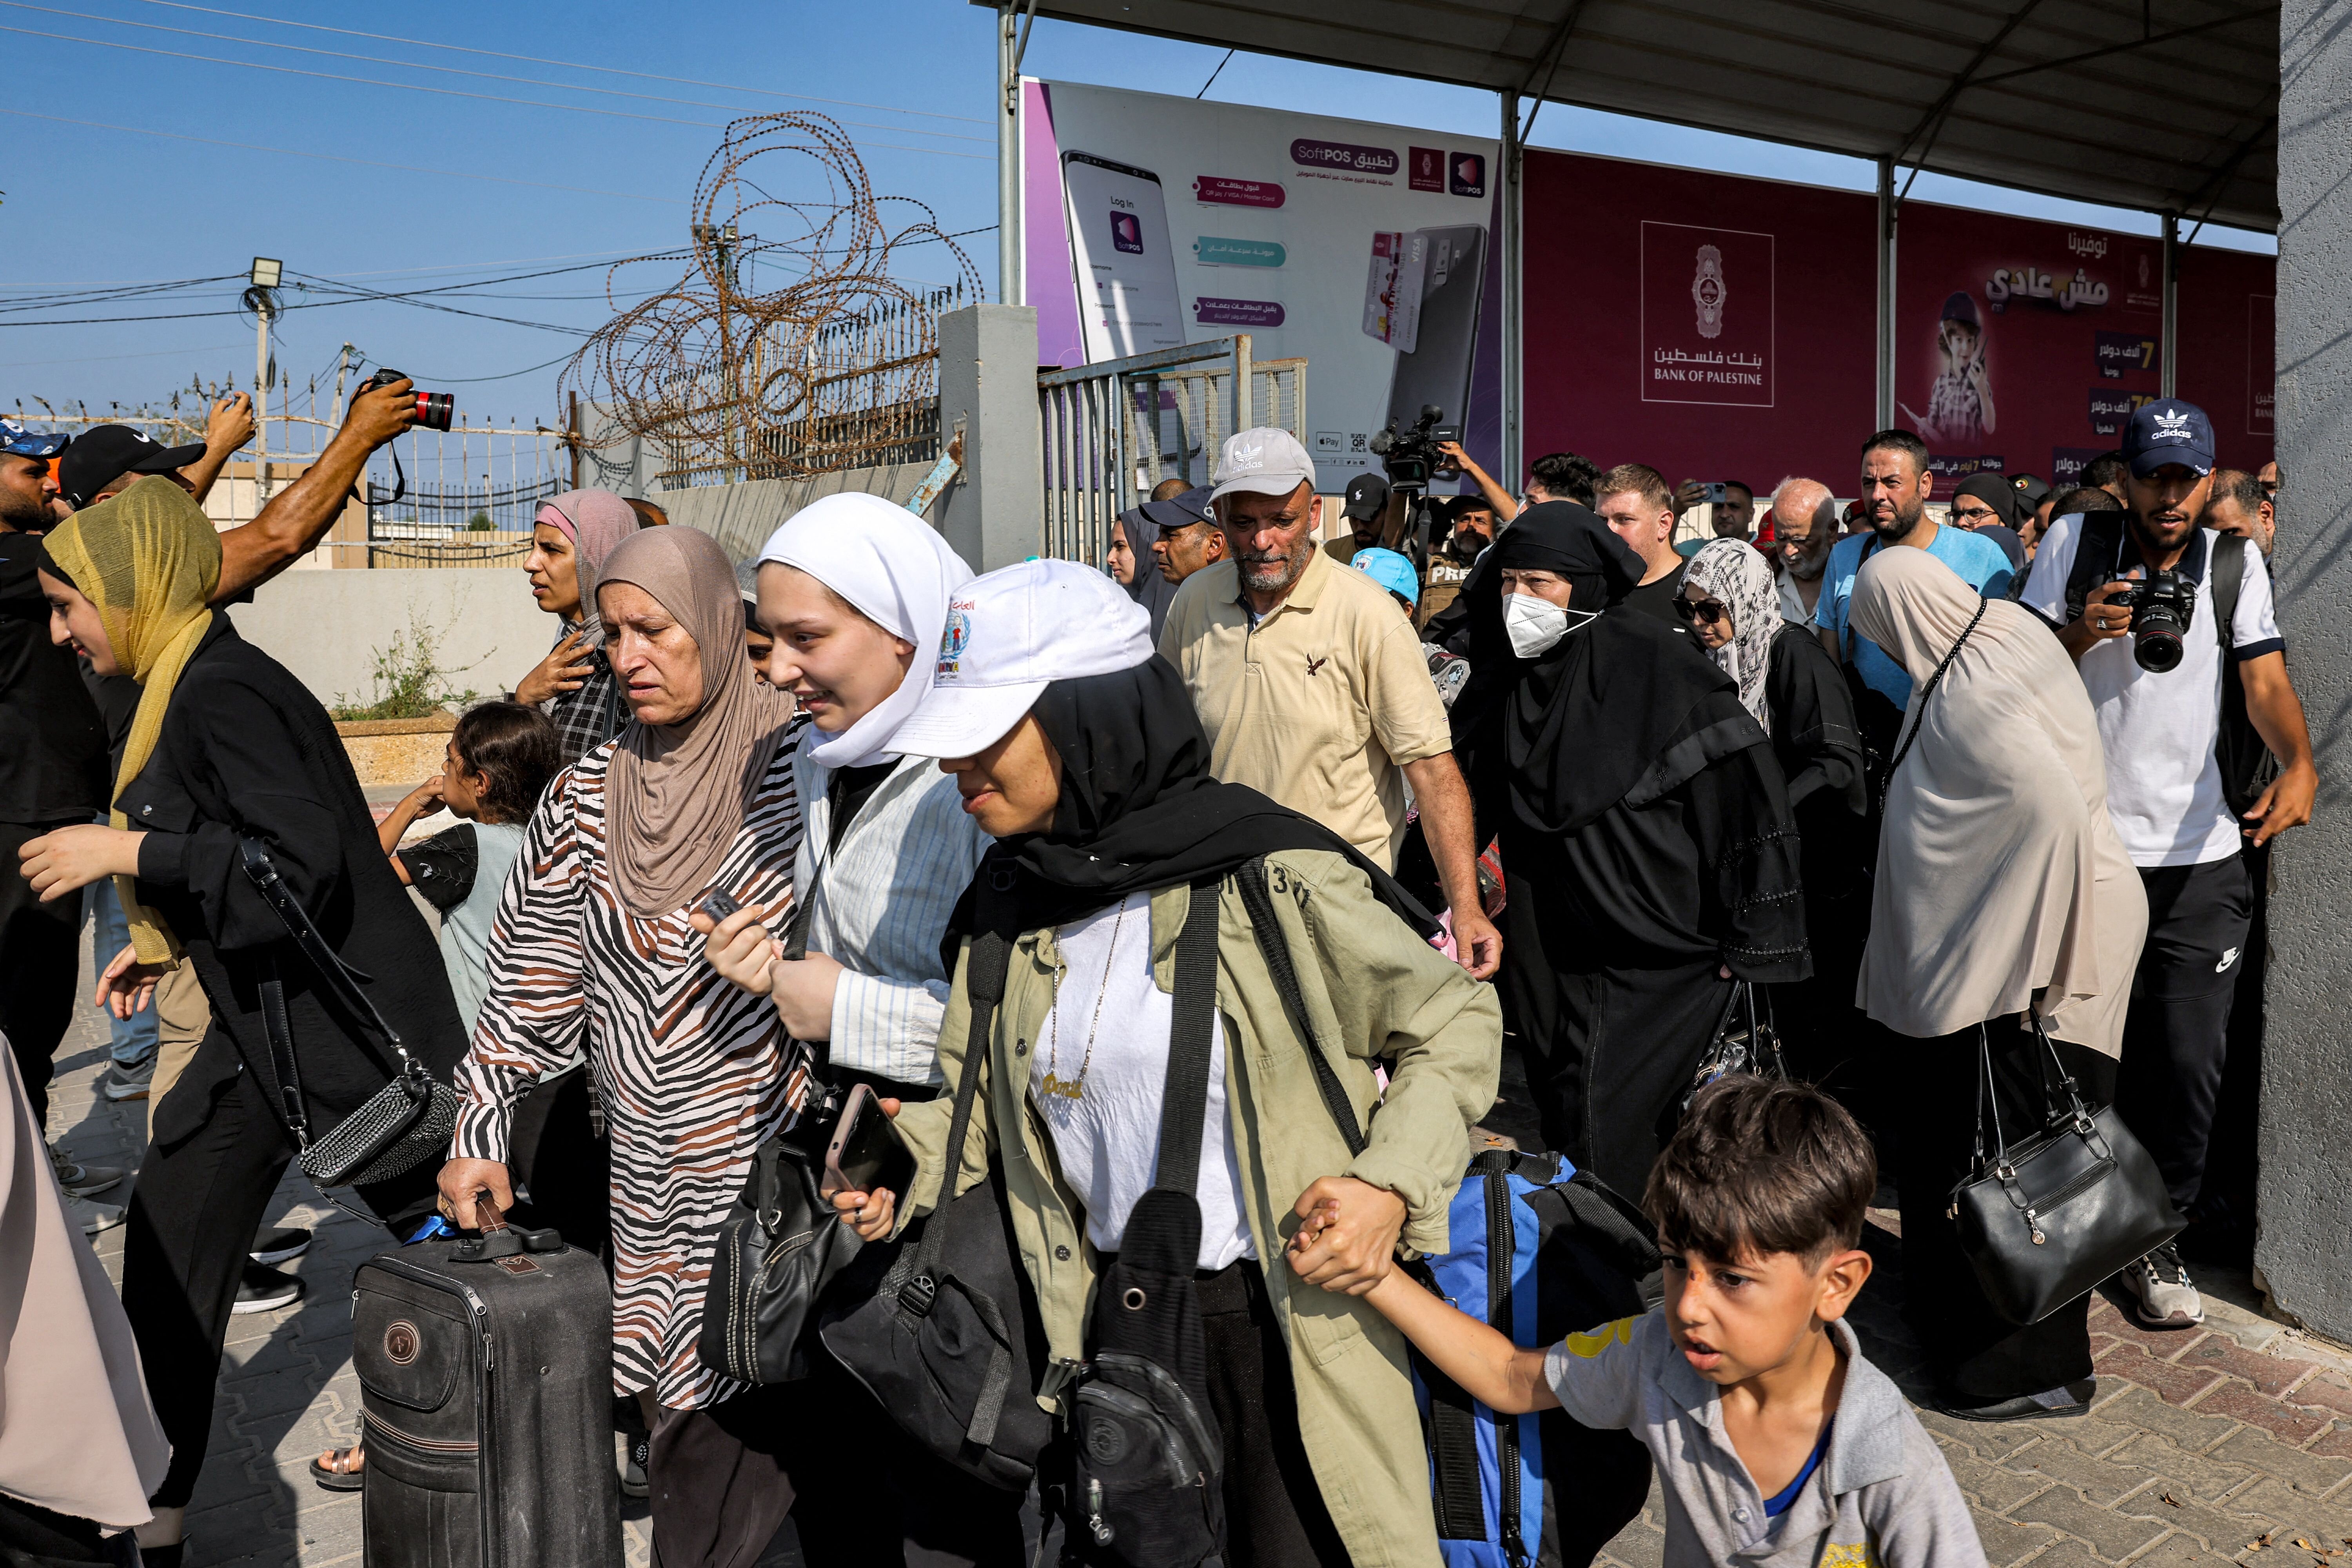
{"x": 2177, "y": 1036}
{"x": 1275, "y": 1513}
{"x": 34, "y": 1537}
{"x": 821, "y": 1451}
{"x": 1975, "y": 1353}
{"x": 38, "y": 967}
{"x": 193, "y": 1215}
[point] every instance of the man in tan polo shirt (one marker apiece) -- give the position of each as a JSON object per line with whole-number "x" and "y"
{"x": 1313, "y": 688}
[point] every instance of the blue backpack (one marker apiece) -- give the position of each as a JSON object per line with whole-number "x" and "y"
{"x": 1540, "y": 1250}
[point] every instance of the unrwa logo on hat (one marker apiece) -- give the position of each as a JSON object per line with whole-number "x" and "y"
{"x": 953, "y": 644}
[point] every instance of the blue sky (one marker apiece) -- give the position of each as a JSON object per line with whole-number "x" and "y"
{"x": 379, "y": 184}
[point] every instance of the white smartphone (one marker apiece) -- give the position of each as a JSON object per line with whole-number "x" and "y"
{"x": 1127, "y": 298}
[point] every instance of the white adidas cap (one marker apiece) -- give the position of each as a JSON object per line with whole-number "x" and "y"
{"x": 1008, "y": 635}
{"x": 1267, "y": 460}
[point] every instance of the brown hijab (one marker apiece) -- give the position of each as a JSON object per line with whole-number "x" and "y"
{"x": 677, "y": 794}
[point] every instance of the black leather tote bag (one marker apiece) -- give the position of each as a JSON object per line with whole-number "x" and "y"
{"x": 2045, "y": 1218}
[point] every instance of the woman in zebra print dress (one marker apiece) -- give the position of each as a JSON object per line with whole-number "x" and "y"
{"x": 592, "y": 948}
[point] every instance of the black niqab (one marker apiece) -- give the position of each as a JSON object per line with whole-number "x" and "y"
{"x": 1557, "y": 740}
{"x": 1139, "y": 810}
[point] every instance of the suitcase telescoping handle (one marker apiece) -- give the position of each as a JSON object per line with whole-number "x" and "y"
{"x": 498, "y": 1239}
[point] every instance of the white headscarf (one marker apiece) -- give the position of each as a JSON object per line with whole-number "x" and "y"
{"x": 896, "y": 570}
{"x": 2000, "y": 877}
{"x": 1732, "y": 572}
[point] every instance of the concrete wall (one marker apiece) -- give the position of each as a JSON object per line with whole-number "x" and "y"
{"x": 2305, "y": 1204}
{"x": 741, "y": 516}
{"x": 327, "y": 627}
{"x": 988, "y": 389}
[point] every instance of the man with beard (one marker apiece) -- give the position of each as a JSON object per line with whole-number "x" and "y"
{"x": 1472, "y": 530}
{"x": 1804, "y": 527}
{"x": 1312, "y": 689}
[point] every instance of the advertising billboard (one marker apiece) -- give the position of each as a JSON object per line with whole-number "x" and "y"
{"x": 2228, "y": 302}
{"x": 1153, "y": 221}
{"x": 1713, "y": 327}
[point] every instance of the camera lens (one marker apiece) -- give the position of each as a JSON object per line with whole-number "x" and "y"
{"x": 2156, "y": 649}
{"x": 436, "y": 409}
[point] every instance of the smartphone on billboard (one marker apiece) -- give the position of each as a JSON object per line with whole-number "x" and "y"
{"x": 1436, "y": 368}
{"x": 1127, "y": 298}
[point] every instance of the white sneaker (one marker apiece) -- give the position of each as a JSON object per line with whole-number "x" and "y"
{"x": 2161, "y": 1295}
{"x": 79, "y": 1180}
{"x": 93, "y": 1218}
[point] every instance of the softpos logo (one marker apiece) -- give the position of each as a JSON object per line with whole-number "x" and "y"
{"x": 1707, "y": 291}
{"x": 953, "y": 642}
{"x": 1127, "y": 233}
{"x": 1309, "y": 153}
{"x": 2171, "y": 425}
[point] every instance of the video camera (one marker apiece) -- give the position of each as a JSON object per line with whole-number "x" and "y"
{"x": 1411, "y": 457}
{"x": 433, "y": 409}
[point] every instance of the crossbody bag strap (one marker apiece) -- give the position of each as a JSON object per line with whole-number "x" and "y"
{"x": 1184, "y": 1097}
{"x": 282, "y": 1065}
{"x": 1920, "y": 718}
{"x": 1251, "y": 879}
{"x": 332, "y": 971}
{"x": 984, "y": 969}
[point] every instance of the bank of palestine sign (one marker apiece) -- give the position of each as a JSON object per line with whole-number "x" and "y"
{"x": 1707, "y": 315}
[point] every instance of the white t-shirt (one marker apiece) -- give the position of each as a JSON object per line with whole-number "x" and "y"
{"x": 1107, "y": 1139}
{"x": 2163, "y": 786}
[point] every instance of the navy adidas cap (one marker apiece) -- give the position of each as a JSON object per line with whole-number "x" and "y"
{"x": 1179, "y": 511}
{"x": 2169, "y": 430}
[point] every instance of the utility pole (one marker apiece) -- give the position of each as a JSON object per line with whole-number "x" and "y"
{"x": 342, "y": 368}
{"x": 261, "y": 298}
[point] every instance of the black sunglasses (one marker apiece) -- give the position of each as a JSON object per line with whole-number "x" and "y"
{"x": 1707, "y": 610}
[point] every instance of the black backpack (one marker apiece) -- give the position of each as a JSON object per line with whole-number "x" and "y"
{"x": 2246, "y": 763}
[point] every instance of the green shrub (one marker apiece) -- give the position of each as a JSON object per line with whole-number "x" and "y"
{"x": 410, "y": 681}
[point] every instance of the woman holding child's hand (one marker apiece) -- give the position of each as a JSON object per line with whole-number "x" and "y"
{"x": 1085, "y": 761}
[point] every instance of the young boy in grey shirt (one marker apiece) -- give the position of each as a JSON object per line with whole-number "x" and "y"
{"x": 1779, "y": 1445}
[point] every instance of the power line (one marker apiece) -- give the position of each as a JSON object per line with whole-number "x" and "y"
{"x": 567, "y": 65}
{"x": 437, "y": 91}
{"x": 450, "y": 71}
{"x": 332, "y": 158}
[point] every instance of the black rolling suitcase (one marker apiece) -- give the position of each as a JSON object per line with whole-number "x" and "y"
{"x": 486, "y": 1378}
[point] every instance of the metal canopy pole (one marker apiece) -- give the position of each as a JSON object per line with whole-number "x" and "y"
{"x": 2169, "y": 350}
{"x": 1514, "y": 294}
{"x": 1886, "y": 210}
{"x": 1008, "y": 154}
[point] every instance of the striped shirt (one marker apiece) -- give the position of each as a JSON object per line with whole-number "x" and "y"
{"x": 880, "y": 908}
{"x": 586, "y": 719}
{"x": 687, "y": 1065}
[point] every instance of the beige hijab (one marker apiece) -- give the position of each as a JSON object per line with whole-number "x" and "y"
{"x": 677, "y": 794}
{"x": 76, "y": 1434}
{"x": 2001, "y": 878}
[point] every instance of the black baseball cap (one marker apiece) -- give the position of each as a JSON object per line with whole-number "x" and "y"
{"x": 1368, "y": 498}
{"x": 1179, "y": 512}
{"x": 2169, "y": 430}
{"x": 104, "y": 455}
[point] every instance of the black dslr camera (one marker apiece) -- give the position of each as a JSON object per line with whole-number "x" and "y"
{"x": 1411, "y": 457}
{"x": 2161, "y": 608}
{"x": 433, "y": 409}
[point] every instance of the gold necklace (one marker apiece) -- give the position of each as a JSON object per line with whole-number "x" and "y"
{"x": 1076, "y": 1089}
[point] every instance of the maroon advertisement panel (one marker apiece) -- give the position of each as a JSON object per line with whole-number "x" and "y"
{"x": 1714, "y": 327}
{"x": 2227, "y": 298}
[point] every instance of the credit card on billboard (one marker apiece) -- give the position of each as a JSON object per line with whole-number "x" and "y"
{"x": 1392, "y": 287}
{"x": 1127, "y": 299}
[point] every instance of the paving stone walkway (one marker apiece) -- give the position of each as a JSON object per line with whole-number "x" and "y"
{"x": 2234, "y": 1441}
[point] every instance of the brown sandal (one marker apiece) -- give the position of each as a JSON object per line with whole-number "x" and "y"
{"x": 341, "y": 1469}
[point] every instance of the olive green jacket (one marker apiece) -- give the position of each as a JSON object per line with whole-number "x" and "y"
{"x": 1372, "y": 989}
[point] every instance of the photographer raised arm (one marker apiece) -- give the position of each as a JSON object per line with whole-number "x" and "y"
{"x": 226, "y": 429}
{"x": 296, "y": 517}
{"x": 1506, "y": 504}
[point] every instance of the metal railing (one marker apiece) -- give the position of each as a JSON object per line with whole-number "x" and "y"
{"x": 1110, "y": 432}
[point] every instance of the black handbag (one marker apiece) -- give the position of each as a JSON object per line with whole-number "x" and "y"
{"x": 409, "y": 1120}
{"x": 1741, "y": 1044}
{"x": 781, "y": 1244}
{"x": 1147, "y": 1488}
{"x": 948, "y": 1342}
{"x": 2045, "y": 1219}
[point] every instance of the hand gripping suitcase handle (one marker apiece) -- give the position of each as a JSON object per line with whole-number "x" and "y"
{"x": 498, "y": 1239}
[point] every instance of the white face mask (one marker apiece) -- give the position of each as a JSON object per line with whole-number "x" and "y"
{"x": 1535, "y": 624}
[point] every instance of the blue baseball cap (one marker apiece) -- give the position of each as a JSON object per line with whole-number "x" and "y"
{"x": 1179, "y": 511}
{"x": 18, "y": 442}
{"x": 1390, "y": 571}
{"x": 2169, "y": 430}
